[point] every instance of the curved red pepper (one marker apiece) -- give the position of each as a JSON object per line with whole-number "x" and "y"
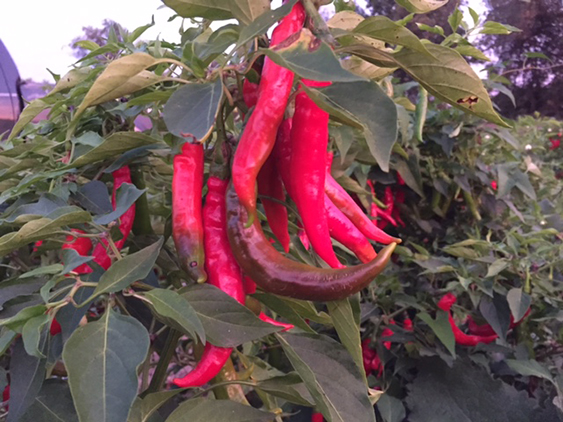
{"x": 342, "y": 229}
{"x": 446, "y": 303}
{"x": 280, "y": 275}
{"x": 259, "y": 135}
{"x": 487, "y": 330}
{"x": 350, "y": 209}
{"x": 309, "y": 141}
{"x": 187, "y": 226}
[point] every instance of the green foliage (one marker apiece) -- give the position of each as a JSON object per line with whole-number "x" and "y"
{"x": 128, "y": 330}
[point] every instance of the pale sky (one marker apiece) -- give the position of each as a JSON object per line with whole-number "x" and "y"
{"x": 37, "y": 32}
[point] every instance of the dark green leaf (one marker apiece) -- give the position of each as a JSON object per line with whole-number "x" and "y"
{"x": 203, "y": 410}
{"x": 529, "y": 368}
{"x": 391, "y": 409}
{"x": 105, "y": 384}
{"x": 227, "y": 323}
{"x": 94, "y": 197}
{"x": 15, "y": 288}
{"x": 31, "y": 335}
{"x": 519, "y": 303}
{"x": 53, "y": 403}
{"x": 144, "y": 408}
{"x": 442, "y": 328}
{"x": 191, "y": 111}
{"x": 72, "y": 260}
{"x": 497, "y": 313}
{"x": 331, "y": 376}
{"x": 132, "y": 268}
{"x": 280, "y": 306}
{"x": 289, "y": 387}
{"x": 126, "y": 196}
{"x": 261, "y": 24}
{"x": 175, "y": 311}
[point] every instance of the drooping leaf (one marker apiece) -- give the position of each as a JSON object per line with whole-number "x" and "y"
{"x": 246, "y": 11}
{"x": 331, "y": 376}
{"x": 449, "y": 77}
{"x": 129, "y": 269}
{"x": 227, "y": 323}
{"x": 104, "y": 385}
{"x": 191, "y": 110}
{"x": 442, "y": 328}
{"x": 28, "y": 114}
{"x": 363, "y": 104}
{"x": 529, "y": 368}
{"x": 31, "y": 335}
{"x": 519, "y": 303}
{"x": 212, "y": 9}
{"x": 174, "y": 310}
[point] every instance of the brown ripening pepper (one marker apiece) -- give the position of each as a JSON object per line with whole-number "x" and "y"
{"x": 280, "y": 275}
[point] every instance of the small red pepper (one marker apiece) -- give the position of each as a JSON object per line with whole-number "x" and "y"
{"x": 317, "y": 417}
{"x": 55, "y": 327}
{"x": 446, "y": 303}
{"x": 342, "y": 200}
{"x": 555, "y": 143}
{"x": 259, "y": 135}
{"x": 187, "y": 226}
{"x": 6, "y": 395}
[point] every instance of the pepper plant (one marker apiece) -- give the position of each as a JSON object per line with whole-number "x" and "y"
{"x": 102, "y": 316}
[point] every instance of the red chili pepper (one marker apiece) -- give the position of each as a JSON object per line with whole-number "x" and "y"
{"x": 342, "y": 200}
{"x": 55, "y": 327}
{"x": 101, "y": 257}
{"x": 270, "y": 185}
{"x": 309, "y": 141}
{"x": 342, "y": 229}
{"x": 222, "y": 272}
{"x": 6, "y": 395}
{"x": 487, "y": 330}
{"x": 399, "y": 199}
{"x": 555, "y": 143}
{"x": 407, "y": 324}
{"x": 317, "y": 417}
{"x": 446, "y": 303}
{"x": 259, "y": 134}
{"x": 187, "y": 185}
{"x": 266, "y": 318}
{"x": 494, "y": 185}
{"x": 280, "y": 275}
{"x": 82, "y": 245}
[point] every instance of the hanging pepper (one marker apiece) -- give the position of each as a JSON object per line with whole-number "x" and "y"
{"x": 280, "y": 275}
{"x": 222, "y": 272}
{"x": 259, "y": 134}
{"x": 445, "y": 304}
{"x": 82, "y": 245}
{"x": 187, "y": 227}
{"x": 384, "y": 215}
{"x": 101, "y": 257}
{"x": 317, "y": 417}
{"x": 309, "y": 141}
{"x": 350, "y": 209}
{"x": 342, "y": 230}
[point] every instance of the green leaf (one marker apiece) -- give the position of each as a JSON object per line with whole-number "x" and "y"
{"x": 175, "y": 311}
{"x": 71, "y": 79}
{"x": 442, "y": 328}
{"x": 455, "y": 19}
{"x": 496, "y": 28}
{"x": 450, "y": 78}
{"x": 421, "y": 6}
{"x": 144, "y": 408}
{"x": 30, "y": 112}
{"x": 14, "y": 288}
{"x": 519, "y": 303}
{"x": 460, "y": 388}
{"x": 523, "y": 183}
{"x": 261, "y": 24}
{"x": 365, "y": 105}
{"x": 331, "y": 376}
{"x": 126, "y": 196}
{"x": 496, "y": 267}
{"x": 26, "y": 374}
{"x": 384, "y": 29}
{"x": 72, "y": 260}
{"x": 129, "y": 269}
{"x": 113, "y": 146}
{"x": 122, "y": 76}
{"x": 227, "y": 323}
{"x": 208, "y": 9}
{"x": 310, "y": 59}
{"x": 529, "y": 368}
{"x": 391, "y": 409}
{"x": 204, "y": 410}
{"x": 246, "y": 11}
{"x": 31, "y": 334}
{"x": 16, "y": 322}
{"x": 289, "y": 387}
{"x": 102, "y": 358}
{"x": 347, "y": 329}
{"x": 191, "y": 110}
{"x": 469, "y": 50}
{"x": 47, "y": 270}
{"x": 280, "y": 306}
{"x": 53, "y": 403}
{"x": 497, "y": 313}
{"x": 6, "y": 339}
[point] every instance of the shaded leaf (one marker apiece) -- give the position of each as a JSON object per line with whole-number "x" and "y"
{"x": 53, "y": 403}
{"x": 529, "y": 368}
{"x": 191, "y": 110}
{"x": 331, "y": 376}
{"x": 125, "y": 197}
{"x": 441, "y": 327}
{"x": 203, "y": 410}
{"x": 261, "y": 24}
{"x": 519, "y": 303}
{"x": 144, "y": 408}
{"x": 391, "y": 409}
{"x": 227, "y": 323}
{"x": 104, "y": 385}
{"x": 246, "y": 11}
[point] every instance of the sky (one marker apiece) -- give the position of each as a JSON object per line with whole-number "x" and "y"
{"x": 37, "y": 33}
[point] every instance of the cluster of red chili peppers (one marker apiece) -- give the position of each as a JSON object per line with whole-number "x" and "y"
{"x": 222, "y": 242}
{"x": 477, "y": 333}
